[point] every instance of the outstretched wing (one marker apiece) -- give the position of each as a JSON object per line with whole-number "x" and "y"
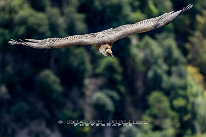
{"x": 86, "y": 39}
{"x": 145, "y": 25}
{"x": 105, "y": 36}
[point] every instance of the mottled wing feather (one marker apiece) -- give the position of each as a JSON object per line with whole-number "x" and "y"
{"x": 146, "y": 25}
{"x": 56, "y": 42}
{"x": 106, "y": 36}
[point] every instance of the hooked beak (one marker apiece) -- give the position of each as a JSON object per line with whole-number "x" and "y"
{"x": 109, "y": 52}
{"x": 111, "y": 55}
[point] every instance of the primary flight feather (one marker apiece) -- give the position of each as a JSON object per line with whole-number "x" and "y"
{"x": 104, "y": 40}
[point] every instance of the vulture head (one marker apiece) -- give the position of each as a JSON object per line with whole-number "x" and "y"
{"x": 105, "y": 50}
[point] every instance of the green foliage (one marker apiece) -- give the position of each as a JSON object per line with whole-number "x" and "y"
{"x": 4, "y": 36}
{"x": 74, "y": 20}
{"x": 4, "y": 94}
{"x": 200, "y": 121}
{"x": 164, "y": 133}
{"x": 176, "y": 72}
{"x": 105, "y": 103}
{"x": 112, "y": 95}
{"x": 161, "y": 115}
{"x": 179, "y": 102}
{"x": 102, "y": 103}
{"x": 156, "y": 76}
{"x": 110, "y": 68}
{"x": 67, "y": 114}
{"x": 161, "y": 111}
{"x": 162, "y": 62}
{"x": 56, "y": 22}
{"x": 39, "y": 5}
{"x": 74, "y": 66}
{"x": 194, "y": 83}
{"x": 163, "y": 5}
{"x": 152, "y": 52}
{"x": 48, "y": 85}
{"x": 31, "y": 22}
{"x": 129, "y": 132}
{"x": 107, "y": 13}
{"x": 151, "y": 9}
{"x": 20, "y": 111}
{"x": 197, "y": 50}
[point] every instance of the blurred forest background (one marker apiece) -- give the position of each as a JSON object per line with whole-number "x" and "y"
{"x": 156, "y": 76}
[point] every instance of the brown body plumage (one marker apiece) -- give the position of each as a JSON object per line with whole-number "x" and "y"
{"x": 103, "y": 40}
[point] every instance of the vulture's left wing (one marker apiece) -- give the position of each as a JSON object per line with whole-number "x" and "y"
{"x": 145, "y": 25}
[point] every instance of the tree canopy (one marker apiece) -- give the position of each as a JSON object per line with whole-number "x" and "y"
{"x": 156, "y": 76}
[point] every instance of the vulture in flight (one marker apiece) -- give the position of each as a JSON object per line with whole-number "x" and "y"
{"x": 104, "y": 40}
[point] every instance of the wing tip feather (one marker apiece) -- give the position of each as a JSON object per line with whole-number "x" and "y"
{"x": 29, "y": 42}
{"x": 187, "y": 8}
{"x": 13, "y": 42}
